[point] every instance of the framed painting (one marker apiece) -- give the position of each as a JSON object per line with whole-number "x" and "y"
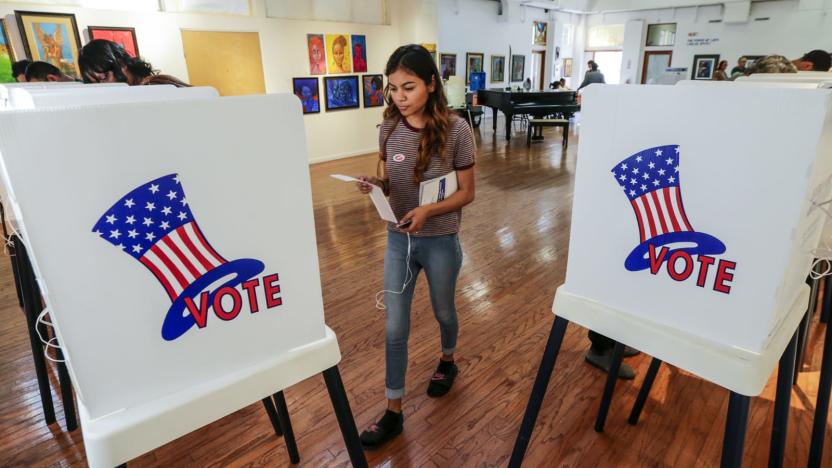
{"x": 498, "y": 68}
{"x": 567, "y": 67}
{"x": 51, "y": 37}
{"x": 704, "y": 66}
{"x": 373, "y": 90}
{"x": 6, "y": 55}
{"x": 341, "y": 92}
{"x": 518, "y": 67}
{"x": 126, "y": 37}
{"x": 307, "y": 90}
{"x": 447, "y": 65}
{"x": 338, "y": 53}
{"x": 473, "y": 63}
{"x": 539, "y": 33}
{"x": 430, "y": 47}
{"x": 359, "y": 53}
{"x": 317, "y": 54}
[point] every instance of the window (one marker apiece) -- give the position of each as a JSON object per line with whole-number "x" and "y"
{"x": 661, "y": 34}
{"x": 606, "y": 36}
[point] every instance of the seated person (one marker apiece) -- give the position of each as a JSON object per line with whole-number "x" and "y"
{"x": 816, "y": 60}
{"x": 43, "y": 71}
{"x": 103, "y": 61}
{"x": 19, "y": 70}
{"x": 772, "y": 64}
{"x": 563, "y": 85}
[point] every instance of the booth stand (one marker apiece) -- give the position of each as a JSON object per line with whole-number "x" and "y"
{"x": 690, "y": 241}
{"x": 173, "y": 244}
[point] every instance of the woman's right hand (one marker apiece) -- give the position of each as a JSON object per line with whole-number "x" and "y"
{"x": 365, "y": 184}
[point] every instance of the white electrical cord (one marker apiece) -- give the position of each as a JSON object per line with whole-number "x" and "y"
{"x": 50, "y": 343}
{"x": 408, "y": 276}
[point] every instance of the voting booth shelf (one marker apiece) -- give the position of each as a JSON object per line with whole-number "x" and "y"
{"x": 181, "y": 272}
{"x": 692, "y": 233}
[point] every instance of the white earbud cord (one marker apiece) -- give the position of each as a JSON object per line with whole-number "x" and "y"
{"x": 408, "y": 276}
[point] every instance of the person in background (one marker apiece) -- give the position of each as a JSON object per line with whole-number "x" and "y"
{"x": 527, "y": 85}
{"x": 593, "y": 75}
{"x": 563, "y": 86}
{"x": 420, "y": 139}
{"x": 42, "y": 71}
{"x": 103, "y": 61}
{"x": 555, "y": 85}
{"x": 772, "y": 64}
{"x": 19, "y": 70}
{"x": 816, "y": 60}
{"x": 740, "y": 68}
{"x": 720, "y": 74}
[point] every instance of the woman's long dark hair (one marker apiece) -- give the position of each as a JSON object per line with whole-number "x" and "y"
{"x": 417, "y": 60}
{"x": 102, "y": 56}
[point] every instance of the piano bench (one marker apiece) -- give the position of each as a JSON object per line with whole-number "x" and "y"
{"x": 540, "y": 123}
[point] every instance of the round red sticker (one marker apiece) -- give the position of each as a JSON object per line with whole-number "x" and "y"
{"x": 398, "y": 158}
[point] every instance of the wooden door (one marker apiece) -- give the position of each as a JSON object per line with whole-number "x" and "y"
{"x": 538, "y": 69}
{"x": 655, "y": 63}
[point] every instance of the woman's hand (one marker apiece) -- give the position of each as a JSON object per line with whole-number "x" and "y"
{"x": 417, "y": 218}
{"x": 365, "y": 184}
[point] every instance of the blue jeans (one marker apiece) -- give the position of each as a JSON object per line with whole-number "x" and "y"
{"x": 441, "y": 258}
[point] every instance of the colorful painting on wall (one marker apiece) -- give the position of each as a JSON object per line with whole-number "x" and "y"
{"x": 373, "y": 90}
{"x": 704, "y": 66}
{"x": 307, "y": 90}
{"x": 539, "y": 35}
{"x": 317, "y": 54}
{"x": 359, "y": 53}
{"x": 447, "y": 65}
{"x": 518, "y": 67}
{"x": 338, "y": 53}
{"x": 498, "y": 68}
{"x": 6, "y": 55}
{"x": 473, "y": 63}
{"x": 51, "y": 37}
{"x": 124, "y": 36}
{"x": 341, "y": 92}
{"x": 430, "y": 47}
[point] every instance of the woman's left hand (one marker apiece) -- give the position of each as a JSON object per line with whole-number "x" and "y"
{"x": 417, "y": 217}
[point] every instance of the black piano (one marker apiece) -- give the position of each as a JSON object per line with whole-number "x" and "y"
{"x": 536, "y": 104}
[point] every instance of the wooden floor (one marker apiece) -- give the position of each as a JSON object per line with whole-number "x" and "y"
{"x": 515, "y": 237}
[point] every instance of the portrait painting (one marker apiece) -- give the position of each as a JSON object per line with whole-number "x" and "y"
{"x": 373, "y": 90}
{"x": 52, "y": 38}
{"x": 518, "y": 67}
{"x": 447, "y": 65}
{"x": 567, "y": 67}
{"x": 338, "y": 53}
{"x": 704, "y": 66}
{"x": 6, "y": 55}
{"x": 539, "y": 33}
{"x": 359, "y": 53}
{"x": 317, "y": 54}
{"x": 306, "y": 89}
{"x": 473, "y": 63}
{"x": 126, "y": 37}
{"x": 498, "y": 68}
{"x": 341, "y": 92}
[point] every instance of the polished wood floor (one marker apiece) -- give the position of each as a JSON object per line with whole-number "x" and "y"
{"x": 515, "y": 237}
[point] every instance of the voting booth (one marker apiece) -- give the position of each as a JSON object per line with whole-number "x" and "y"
{"x": 692, "y": 232}
{"x": 183, "y": 279}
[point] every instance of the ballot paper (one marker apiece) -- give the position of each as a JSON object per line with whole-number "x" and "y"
{"x": 377, "y": 195}
{"x": 438, "y": 189}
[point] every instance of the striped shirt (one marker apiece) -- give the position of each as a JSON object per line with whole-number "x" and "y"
{"x": 400, "y": 159}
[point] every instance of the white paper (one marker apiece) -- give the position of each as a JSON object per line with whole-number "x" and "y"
{"x": 377, "y": 195}
{"x": 438, "y": 189}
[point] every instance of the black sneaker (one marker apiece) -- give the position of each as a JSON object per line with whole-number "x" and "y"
{"x": 442, "y": 379}
{"x": 388, "y": 427}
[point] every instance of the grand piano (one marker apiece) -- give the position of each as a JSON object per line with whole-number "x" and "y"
{"x": 537, "y": 104}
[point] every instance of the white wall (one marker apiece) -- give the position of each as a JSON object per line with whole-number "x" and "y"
{"x": 790, "y": 31}
{"x": 474, "y": 26}
{"x": 283, "y": 44}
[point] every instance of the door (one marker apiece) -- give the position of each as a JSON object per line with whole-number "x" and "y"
{"x": 228, "y": 61}
{"x": 609, "y": 63}
{"x": 655, "y": 63}
{"x": 538, "y": 69}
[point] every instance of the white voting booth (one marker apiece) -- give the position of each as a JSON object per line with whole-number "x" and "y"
{"x": 7, "y": 88}
{"x": 183, "y": 279}
{"x": 692, "y": 230}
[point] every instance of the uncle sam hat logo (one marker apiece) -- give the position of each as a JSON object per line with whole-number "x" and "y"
{"x": 650, "y": 179}
{"x": 154, "y": 224}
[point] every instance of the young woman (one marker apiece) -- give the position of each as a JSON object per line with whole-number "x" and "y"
{"x": 419, "y": 140}
{"x": 103, "y": 61}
